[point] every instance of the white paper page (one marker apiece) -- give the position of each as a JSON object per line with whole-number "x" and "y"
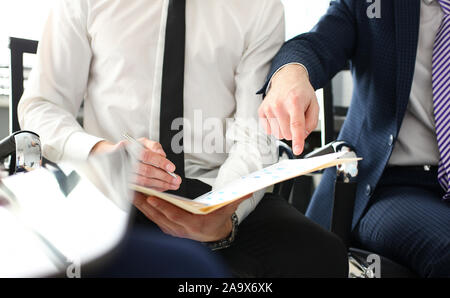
{"x": 284, "y": 170}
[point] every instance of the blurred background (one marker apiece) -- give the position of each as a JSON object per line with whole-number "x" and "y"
{"x": 26, "y": 18}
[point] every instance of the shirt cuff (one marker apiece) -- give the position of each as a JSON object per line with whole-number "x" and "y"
{"x": 79, "y": 145}
{"x": 249, "y": 205}
{"x": 278, "y": 70}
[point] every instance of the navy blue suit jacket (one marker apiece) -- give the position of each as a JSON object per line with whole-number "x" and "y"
{"x": 382, "y": 52}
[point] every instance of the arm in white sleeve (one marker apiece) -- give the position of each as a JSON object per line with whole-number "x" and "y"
{"x": 252, "y": 149}
{"x": 58, "y": 83}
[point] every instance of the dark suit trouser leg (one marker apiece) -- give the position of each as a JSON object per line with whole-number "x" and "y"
{"x": 148, "y": 253}
{"x": 276, "y": 240}
{"x": 408, "y": 222}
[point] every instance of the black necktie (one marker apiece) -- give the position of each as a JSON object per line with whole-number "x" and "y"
{"x": 173, "y": 84}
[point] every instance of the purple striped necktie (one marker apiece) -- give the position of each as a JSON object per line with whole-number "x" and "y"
{"x": 441, "y": 96}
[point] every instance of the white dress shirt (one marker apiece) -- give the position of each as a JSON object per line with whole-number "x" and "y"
{"x": 417, "y": 142}
{"x": 110, "y": 54}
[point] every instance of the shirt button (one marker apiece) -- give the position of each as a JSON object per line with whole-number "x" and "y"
{"x": 391, "y": 140}
{"x": 368, "y": 190}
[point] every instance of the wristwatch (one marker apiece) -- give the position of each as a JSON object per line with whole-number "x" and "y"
{"x": 225, "y": 243}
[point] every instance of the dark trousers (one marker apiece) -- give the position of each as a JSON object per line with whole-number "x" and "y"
{"x": 276, "y": 240}
{"x": 408, "y": 222}
{"x": 150, "y": 254}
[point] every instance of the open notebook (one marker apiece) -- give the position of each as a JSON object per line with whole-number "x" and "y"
{"x": 237, "y": 189}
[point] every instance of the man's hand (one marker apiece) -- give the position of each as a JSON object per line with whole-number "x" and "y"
{"x": 179, "y": 223}
{"x": 290, "y": 110}
{"x": 151, "y": 171}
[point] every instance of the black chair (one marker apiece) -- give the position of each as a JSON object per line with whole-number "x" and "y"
{"x": 18, "y": 47}
{"x": 332, "y": 117}
{"x": 342, "y": 215}
{"x": 284, "y": 189}
{"x": 345, "y": 193}
{"x": 332, "y": 112}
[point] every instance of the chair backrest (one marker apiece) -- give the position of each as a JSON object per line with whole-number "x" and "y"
{"x": 328, "y": 127}
{"x": 18, "y": 47}
{"x": 336, "y": 99}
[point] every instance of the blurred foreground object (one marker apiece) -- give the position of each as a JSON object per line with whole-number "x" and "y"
{"x": 57, "y": 218}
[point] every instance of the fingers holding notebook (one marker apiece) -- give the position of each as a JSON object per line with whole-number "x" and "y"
{"x": 180, "y": 223}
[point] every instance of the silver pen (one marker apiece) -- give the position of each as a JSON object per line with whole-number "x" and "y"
{"x": 133, "y": 140}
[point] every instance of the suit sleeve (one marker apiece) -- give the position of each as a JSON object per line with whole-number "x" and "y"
{"x": 324, "y": 50}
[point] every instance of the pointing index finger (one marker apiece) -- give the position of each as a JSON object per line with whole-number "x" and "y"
{"x": 298, "y": 128}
